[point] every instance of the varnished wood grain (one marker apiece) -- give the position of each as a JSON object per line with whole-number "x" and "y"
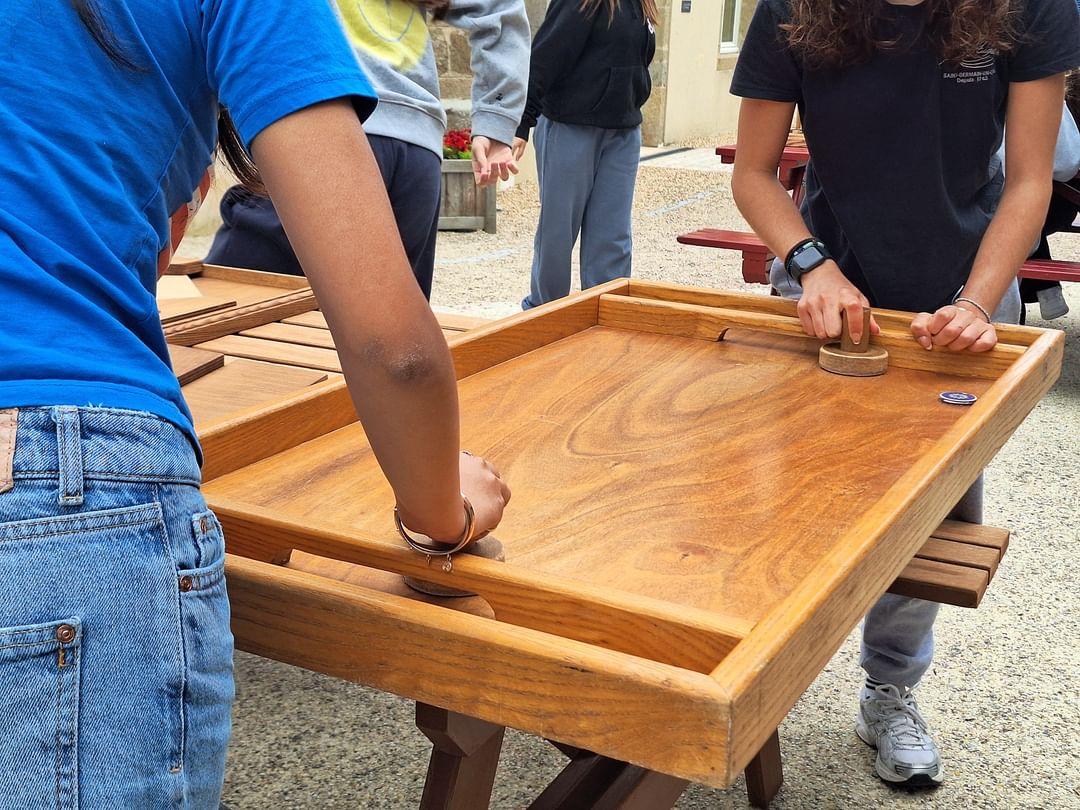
{"x": 292, "y": 333}
{"x": 709, "y": 323}
{"x": 655, "y": 467}
{"x": 670, "y": 717}
{"x": 190, "y": 364}
{"x": 605, "y": 617}
{"x": 243, "y": 384}
{"x": 768, "y": 671}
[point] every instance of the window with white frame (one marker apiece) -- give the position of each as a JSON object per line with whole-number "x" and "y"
{"x": 730, "y": 25}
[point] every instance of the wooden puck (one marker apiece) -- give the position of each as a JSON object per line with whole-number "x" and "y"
{"x": 871, "y": 363}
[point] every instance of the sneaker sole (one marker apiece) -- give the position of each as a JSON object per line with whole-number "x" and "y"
{"x": 925, "y": 779}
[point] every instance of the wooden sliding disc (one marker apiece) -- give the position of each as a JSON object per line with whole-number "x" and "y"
{"x": 854, "y": 359}
{"x": 487, "y": 547}
{"x": 871, "y": 363}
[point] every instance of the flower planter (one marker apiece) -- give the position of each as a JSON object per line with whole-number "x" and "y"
{"x": 464, "y": 206}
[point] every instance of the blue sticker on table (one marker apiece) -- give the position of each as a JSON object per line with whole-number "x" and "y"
{"x": 957, "y": 398}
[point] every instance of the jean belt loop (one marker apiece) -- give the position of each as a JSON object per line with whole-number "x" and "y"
{"x": 69, "y": 449}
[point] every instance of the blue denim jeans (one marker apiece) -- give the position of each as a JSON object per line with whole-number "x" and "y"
{"x": 115, "y": 651}
{"x": 898, "y": 632}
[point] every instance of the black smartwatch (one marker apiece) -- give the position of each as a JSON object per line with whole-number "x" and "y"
{"x": 804, "y": 257}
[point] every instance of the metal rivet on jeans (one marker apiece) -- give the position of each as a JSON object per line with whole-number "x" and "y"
{"x": 186, "y": 584}
{"x": 65, "y": 634}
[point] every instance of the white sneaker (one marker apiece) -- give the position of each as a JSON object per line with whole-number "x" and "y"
{"x": 1052, "y": 303}
{"x": 889, "y": 721}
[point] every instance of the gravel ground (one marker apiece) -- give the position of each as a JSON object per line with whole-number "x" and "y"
{"x": 1001, "y": 699}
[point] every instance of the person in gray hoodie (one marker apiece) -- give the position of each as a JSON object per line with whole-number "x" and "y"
{"x": 394, "y": 47}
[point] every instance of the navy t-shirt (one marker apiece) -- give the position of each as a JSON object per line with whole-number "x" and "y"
{"x": 95, "y": 158}
{"x": 903, "y": 179}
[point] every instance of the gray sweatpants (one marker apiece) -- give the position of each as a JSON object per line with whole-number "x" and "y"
{"x": 587, "y": 177}
{"x": 898, "y": 632}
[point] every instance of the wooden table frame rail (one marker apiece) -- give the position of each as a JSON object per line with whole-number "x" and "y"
{"x": 709, "y": 689}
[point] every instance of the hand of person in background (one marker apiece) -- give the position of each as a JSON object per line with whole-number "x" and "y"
{"x": 486, "y": 491}
{"x": 826, "y": 295}
{"x": 492, "y": 161}
{"x": 955, "y": 327}
{"x": 518, "y": 148}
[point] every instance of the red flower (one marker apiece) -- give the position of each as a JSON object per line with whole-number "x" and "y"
{"x": 457, "y": 144}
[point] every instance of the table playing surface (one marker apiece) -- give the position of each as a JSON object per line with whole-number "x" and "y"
{"x": 700, "y": 515}
{"x": 704, "y": 474}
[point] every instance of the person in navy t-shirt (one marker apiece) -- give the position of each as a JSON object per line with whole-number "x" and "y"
{"x": 115, "y": 652}
{"x": 903, "y": 105}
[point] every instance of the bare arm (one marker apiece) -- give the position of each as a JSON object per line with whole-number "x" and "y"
{"x": 763, "y": 132}
{"x": 1031, "y": 126}
{"x": 319, "y": 168}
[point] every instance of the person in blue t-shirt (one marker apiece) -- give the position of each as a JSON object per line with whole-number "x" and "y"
{"x": 115, "y": 650}
{"x": 904, "y": 104}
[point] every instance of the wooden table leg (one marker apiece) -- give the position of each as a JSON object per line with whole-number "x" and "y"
{"x": 598, "y": 783}
{"x": 765, "y": 773}
{"x": 464, "y": 758}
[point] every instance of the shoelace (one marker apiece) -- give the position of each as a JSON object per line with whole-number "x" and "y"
{"x": 902, "y": 717}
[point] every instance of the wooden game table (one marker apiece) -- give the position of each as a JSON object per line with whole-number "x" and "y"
{"x": 700, "y": 517}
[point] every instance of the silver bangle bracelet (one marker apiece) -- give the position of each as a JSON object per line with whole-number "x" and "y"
{"x": 975, "y": 304}
{"x": 430, "y": 551}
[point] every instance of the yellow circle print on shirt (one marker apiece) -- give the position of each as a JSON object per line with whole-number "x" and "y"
{"x": 394, "y": 31}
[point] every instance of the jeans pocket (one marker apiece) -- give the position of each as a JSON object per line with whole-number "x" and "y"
{"x": 208, "y": 651}
{"x": 39, "y": 715}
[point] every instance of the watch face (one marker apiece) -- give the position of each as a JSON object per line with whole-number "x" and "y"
{"x": 808, "y": 258}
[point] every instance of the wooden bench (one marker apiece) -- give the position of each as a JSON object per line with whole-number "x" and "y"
{"x": 757, "y": 258}
{"x": 954, "y": 566}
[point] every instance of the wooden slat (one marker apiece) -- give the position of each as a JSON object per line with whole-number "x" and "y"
{"x": 709, "y": 323}
{"x": 507, "y": 676}
{"x": 243, "y": 384}
{"x": 184, "y": 266}
{"x": 245, "y": 438}
{"x": 772, "y": 667}
{"x": 975, "y": 534}
{"x": 964, "y": 554}
{"x": 176, "y": 286}
{"x": 190, "y": 364}
{"x": 629, "y": 623}
{"x": 259, "y": 278}
{"x": 314, "y": 319}
{"x": 942, "y": 582}
{"x": 456, "y": 322}
{"x": 489, "y": 345}
{"x": 775, "y": 305}
{"x": 291, "y": 333}
{"x": 273, "y": 351}
{"x": 176, "y": 310}
{"x": 199, "y": 330}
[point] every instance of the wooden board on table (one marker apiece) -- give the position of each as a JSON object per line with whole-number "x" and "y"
{"x": 189, "y": 364}
{"x": 179, "y": 309}
{"x": 273, "y": 351}
{"x": 178, "y": 286}
{"x": 243, "y": 384}
{"x": 665, "y": 515}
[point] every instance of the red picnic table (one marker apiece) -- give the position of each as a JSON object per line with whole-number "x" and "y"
{"x": 791, "y": 171}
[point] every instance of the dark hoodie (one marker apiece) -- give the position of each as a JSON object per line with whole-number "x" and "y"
{"x": 590, "y": 69}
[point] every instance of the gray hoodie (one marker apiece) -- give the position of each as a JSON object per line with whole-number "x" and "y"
{"x": 394, "y": 47}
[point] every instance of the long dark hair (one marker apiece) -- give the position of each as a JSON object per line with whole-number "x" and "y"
{"x": 229, "y": 141}
{"x": 838, "y": 33}
{"x": 648, "y": 7}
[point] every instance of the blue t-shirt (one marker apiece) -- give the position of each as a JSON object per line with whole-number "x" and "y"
{"x": 94, "y": 158}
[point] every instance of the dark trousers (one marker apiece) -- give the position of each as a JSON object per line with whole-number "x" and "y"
{"x": 251, "y": 234}
{"x": 1059, "y": 217}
